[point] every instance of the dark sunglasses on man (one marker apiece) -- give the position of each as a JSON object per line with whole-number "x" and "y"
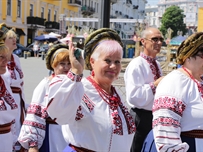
{"x": 156, "y": 39}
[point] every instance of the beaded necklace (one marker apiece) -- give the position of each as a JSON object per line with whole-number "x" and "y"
{"x": 198, "y": 84}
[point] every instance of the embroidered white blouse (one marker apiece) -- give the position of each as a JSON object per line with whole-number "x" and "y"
{"x": 178, "y": 107}
{"x": 8, "y": 112}
{"x": 15, "y": 79}
{"x": 87, "y": 116}
{"x": 33, "y": 129}
{"x": 139, "y": 77}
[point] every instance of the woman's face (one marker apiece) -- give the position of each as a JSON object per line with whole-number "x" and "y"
{"x": 3, "y": 62}
{"x": 62, "y": 68}
{"x": 107, "y": 67}
{"x": 10, "y": 42}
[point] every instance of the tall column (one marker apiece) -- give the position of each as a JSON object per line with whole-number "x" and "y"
{"x": 104, "y": 20}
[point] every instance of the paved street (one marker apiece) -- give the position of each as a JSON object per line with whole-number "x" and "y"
{"x": 35, "y": 70}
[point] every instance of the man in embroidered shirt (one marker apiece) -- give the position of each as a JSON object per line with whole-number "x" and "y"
{"x": 141, "y": 77}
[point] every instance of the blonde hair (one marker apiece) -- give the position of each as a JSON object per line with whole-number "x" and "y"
{"x": 11, "y": 33}
{"x": 3, "y": 48}
{"x": 63, "y": 55}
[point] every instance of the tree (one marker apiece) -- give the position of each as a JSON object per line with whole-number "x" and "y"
{"x": 173, "y": 18}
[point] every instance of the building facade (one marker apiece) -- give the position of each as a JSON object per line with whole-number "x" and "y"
{"x": 34, "y": 17}
{"x": 190, "y": 9}
{"x": 152, "y": 18}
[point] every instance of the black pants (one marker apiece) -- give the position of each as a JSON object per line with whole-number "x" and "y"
{"x": 143, "y": 122}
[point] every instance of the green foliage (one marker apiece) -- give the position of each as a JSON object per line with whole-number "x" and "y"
{"x": 173, "y": 18}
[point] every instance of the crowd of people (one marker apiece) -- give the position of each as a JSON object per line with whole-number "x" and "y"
{"x": 72, "y": 113}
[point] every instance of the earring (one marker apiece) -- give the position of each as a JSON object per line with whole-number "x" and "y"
{"x": 92, "y": 73}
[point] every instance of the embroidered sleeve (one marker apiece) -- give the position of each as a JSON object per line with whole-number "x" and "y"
{"x": 33, "y": 129}
{"x": 167, "y": 113}
{"x": 69, "y": 93}
{"x": 74, "y": 77}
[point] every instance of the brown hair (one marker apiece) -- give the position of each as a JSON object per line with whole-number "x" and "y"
{"x": 61, "y": 56}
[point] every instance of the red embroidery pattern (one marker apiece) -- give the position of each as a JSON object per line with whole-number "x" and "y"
{"x": 199, "y": 85}
{"x": 2, "y": 87}
{"x": 2, "y": 105}
{"x": 166, "y": 121}
{"x": 129, "y": 119}
{"x": 8, "y": 98}
{"x": 33, "y": 143}
{"x": 153, "y": 66}
{"x": 114, "y": 101}
{"x": 153, "y": 87}
{"x": 90, "y": 105}
{"x": 79, "y": 114}
{"x": 169, "y": 103}
{"x": 37, "y": 110}
{"x": 74, "y": 77}
{"x": 34, "y": 124}
{"x": 19, "y": 71}
{"x": 11, "y": 66}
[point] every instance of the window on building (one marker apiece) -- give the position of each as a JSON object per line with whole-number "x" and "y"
{"x": 9, "y": 7}
{"x": 19, "y": 8}
{"x": 31, "y": 9}
{"x": 55, "y": 15}
{"x": 49, "y": 15}
{"x": 42, "y": 12}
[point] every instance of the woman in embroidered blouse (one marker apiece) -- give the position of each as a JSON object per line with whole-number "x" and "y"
{"x": 14, "y": 76}
{"x": 91, "y": 111}
{"x": 8, "y": 106}
{"x": 178, "y": 104}
{"x": 48, "y": 137}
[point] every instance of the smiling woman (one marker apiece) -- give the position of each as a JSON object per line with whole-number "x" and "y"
{"x": 92, "y": 111}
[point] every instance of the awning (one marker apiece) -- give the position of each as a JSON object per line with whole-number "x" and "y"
{"x": 20, "y": 32}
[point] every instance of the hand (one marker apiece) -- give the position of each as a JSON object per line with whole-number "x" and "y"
{"x": 157, "y": 81}
{"x": 33, "y": 149}
{"x": 77, "y": 65}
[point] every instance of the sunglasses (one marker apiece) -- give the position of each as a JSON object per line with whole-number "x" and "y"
{"x": 156, "y": 39}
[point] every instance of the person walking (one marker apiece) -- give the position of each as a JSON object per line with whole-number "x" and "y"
{"x": 141, "y": 77}
{"x": 91, "y": 110}
{"x": 14, "y": 76}
{"x": 48, "y": 137}
{"x": 36, "y": 48}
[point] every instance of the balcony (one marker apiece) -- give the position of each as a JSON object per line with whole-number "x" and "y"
{"x": 51, "y": 25}
{"x": 87, "y": 11}
{"x": 75, "y": 3}
{"x": 35, "y": 20}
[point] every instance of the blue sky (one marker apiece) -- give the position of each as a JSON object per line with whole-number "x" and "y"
{"x": 152, "y": 2}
